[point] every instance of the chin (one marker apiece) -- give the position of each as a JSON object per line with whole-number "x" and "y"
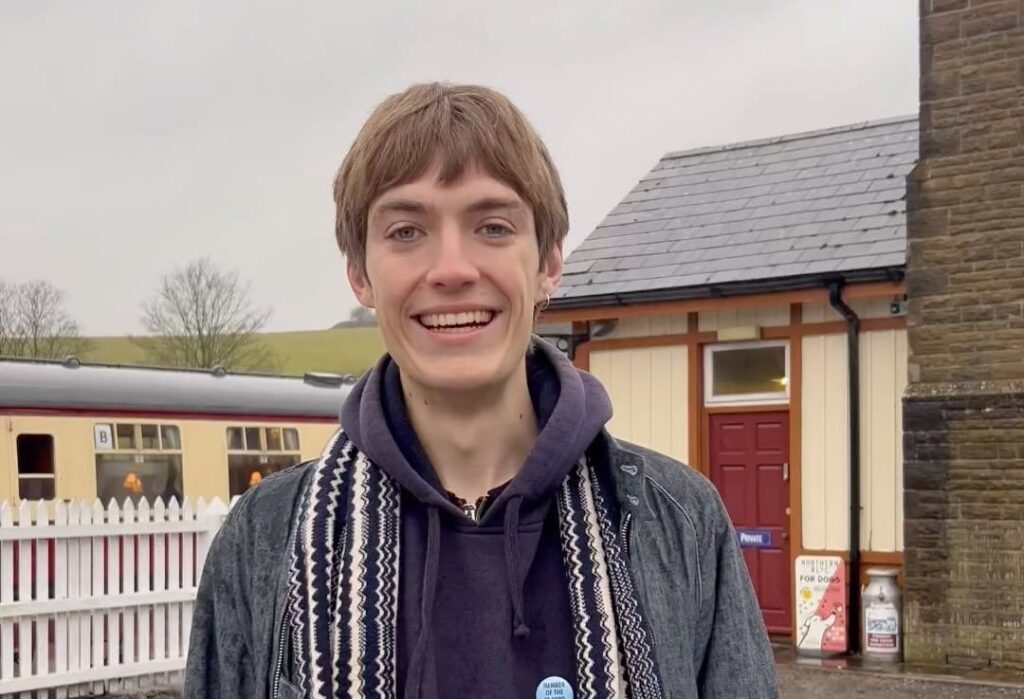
{"x": 460, "y": 374}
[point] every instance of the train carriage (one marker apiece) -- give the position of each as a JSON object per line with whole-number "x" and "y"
{"x": 72, "y": 431}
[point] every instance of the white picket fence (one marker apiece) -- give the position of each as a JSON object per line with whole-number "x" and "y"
{"x": 96, "y": 600}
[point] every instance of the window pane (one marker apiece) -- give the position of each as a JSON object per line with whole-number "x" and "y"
{"x": 235, "y": 440}
{"x": 291, "y": 439}
{"x": 252, "y": 439}
{"x": 246, "y": 470}
{"x": 35, "y": 454}
{"x": 274, "y": 439}
{"x": 170, "y": 437}
{"x": 35, "y": 488}
{"x": 149, "y": 440}
{"x": 126, "y": 475}
{"x": 126, "y": 436}
{"x": 749, "y": 370}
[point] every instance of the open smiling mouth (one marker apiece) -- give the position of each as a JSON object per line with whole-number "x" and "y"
{"x": 466, "y": 321}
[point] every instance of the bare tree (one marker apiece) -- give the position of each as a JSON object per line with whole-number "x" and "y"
{"x": 203, "y": 317}
{"x": 11, "y": 341}
{"x": 34, "y": 323}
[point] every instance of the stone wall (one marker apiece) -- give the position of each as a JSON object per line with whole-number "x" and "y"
{"x": 964, "y": 408}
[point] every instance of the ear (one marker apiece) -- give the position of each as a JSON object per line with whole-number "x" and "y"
{"x": 360, "y": 284}
{"x": 551, "y": 267}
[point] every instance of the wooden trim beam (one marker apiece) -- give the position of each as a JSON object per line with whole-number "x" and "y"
{"x": 650, "y": 341}
{"x": 796, "y": 531}
{"x": 695, "y": 389}
{"x": 779, "y": 298}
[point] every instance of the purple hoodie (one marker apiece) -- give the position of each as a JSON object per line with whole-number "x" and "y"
{"x": 483, "y": 607}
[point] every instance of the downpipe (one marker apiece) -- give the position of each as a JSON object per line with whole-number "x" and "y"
{"x": 853, "y": 370}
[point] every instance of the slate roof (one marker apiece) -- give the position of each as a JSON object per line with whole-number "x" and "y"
{"x": 768, "y": 214}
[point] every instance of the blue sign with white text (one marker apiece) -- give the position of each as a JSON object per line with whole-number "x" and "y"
{"x": 754, "y": 538}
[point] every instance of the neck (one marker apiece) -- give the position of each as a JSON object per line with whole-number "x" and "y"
{"x": 475, "y": 441}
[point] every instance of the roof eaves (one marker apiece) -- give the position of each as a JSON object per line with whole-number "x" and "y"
{"x": 742, "y": 288}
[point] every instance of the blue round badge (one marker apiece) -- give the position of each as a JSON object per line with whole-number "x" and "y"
{"x": 554, "y": 688}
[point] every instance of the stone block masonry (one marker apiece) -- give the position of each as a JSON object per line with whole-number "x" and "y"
{"x": 964, "y": 408}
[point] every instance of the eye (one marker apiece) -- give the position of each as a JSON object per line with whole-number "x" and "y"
{"x": 495, "y": 230}
{"x": 405, "y": 234}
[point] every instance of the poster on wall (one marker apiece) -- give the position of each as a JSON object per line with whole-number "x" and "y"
{"x": 821, "y": 617}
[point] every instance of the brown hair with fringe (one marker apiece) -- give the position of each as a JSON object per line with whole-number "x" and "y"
{"x": 457, "y": 126}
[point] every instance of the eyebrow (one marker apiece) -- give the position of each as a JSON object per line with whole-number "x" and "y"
{"x": 406, "y": 206}
{"x": 410, "y": 206}
{"x": 494, "y": 204}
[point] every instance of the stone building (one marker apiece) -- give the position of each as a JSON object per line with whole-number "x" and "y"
{"x": 964, "y": 407}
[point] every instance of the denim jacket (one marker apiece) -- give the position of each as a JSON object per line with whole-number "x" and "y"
{"x": 710, "y": 640}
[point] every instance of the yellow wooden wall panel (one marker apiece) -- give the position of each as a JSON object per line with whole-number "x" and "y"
{"x": 818, "y": 313}
{"x": 631, "y": 327}
{"x": 647, "y": 387}
{"x": 204, "y": 457}
{"x": 824, "y": 450}
{"x": 773, "y": 316}
{"x": 837, "y": 451}
{"x": 899, "y": 389}
{"x": 872, "y": 308}
{"x": 662, "y": 417}
{"x": 678, "y": 431}
{"x": 647, "y": 326}
{"x": 812, "y": 447}
{"x": 865, "y": 308}
{"x": 8, "y": 479}
{"x": 883, "y": 380}
{"x": 642, "y": 394}
{"x": 712, "y": 321}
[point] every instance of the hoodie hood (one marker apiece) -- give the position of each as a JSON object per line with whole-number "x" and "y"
{"x": 571, "y": 407}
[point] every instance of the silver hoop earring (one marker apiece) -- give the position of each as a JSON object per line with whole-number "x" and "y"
{"x": 543, "y": 305}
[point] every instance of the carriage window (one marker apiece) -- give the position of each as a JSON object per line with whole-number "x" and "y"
{"x": 235, "y": 438}
{"x": 150, "y": 436}
{"x": 267, "y": 450}
{"x": 145, "y": 461}
{"x": 120, "y": 476}
{"x": 170, "y": 437}
{"x": 126, "y": 436}
{"x": 35, "y": 467}
{"x": 273, "y": 439}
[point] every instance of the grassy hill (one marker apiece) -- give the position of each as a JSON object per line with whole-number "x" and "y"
{"x": 350, "y": 350}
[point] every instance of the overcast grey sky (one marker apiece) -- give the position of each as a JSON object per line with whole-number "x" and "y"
{"x": 138, "y": 135}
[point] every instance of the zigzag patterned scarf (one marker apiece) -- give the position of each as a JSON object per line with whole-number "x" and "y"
{"x": 343, "y": 586}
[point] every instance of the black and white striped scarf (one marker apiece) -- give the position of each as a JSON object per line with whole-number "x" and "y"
{"x": 343, "y": 586}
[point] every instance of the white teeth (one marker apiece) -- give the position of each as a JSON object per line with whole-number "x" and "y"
{"x": 447, "y": 320}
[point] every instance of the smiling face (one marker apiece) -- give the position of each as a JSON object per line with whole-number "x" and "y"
{"x": 454, "y": 273}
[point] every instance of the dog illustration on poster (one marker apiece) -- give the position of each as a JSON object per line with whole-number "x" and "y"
{"x": 821, "y": 604}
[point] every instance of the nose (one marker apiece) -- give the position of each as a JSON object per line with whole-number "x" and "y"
{"x": 452, "y": 267}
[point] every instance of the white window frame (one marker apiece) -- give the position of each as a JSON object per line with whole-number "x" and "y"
{"x": 775, "y": 398}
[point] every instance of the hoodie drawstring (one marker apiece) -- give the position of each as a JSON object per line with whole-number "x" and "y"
{"x": 515, "y": 584}
{"x": 419, "y": 654}
{"x": 418, "y": 662}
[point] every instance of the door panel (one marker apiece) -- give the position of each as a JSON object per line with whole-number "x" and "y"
{"x": 747, "y": 455}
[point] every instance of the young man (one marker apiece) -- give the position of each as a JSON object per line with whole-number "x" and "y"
{"x": 473, "y": 531}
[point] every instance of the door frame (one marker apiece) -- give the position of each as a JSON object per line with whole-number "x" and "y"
{"x": 792, "y": 512}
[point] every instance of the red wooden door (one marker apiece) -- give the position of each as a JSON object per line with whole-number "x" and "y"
{"x": 749, "y": 453}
